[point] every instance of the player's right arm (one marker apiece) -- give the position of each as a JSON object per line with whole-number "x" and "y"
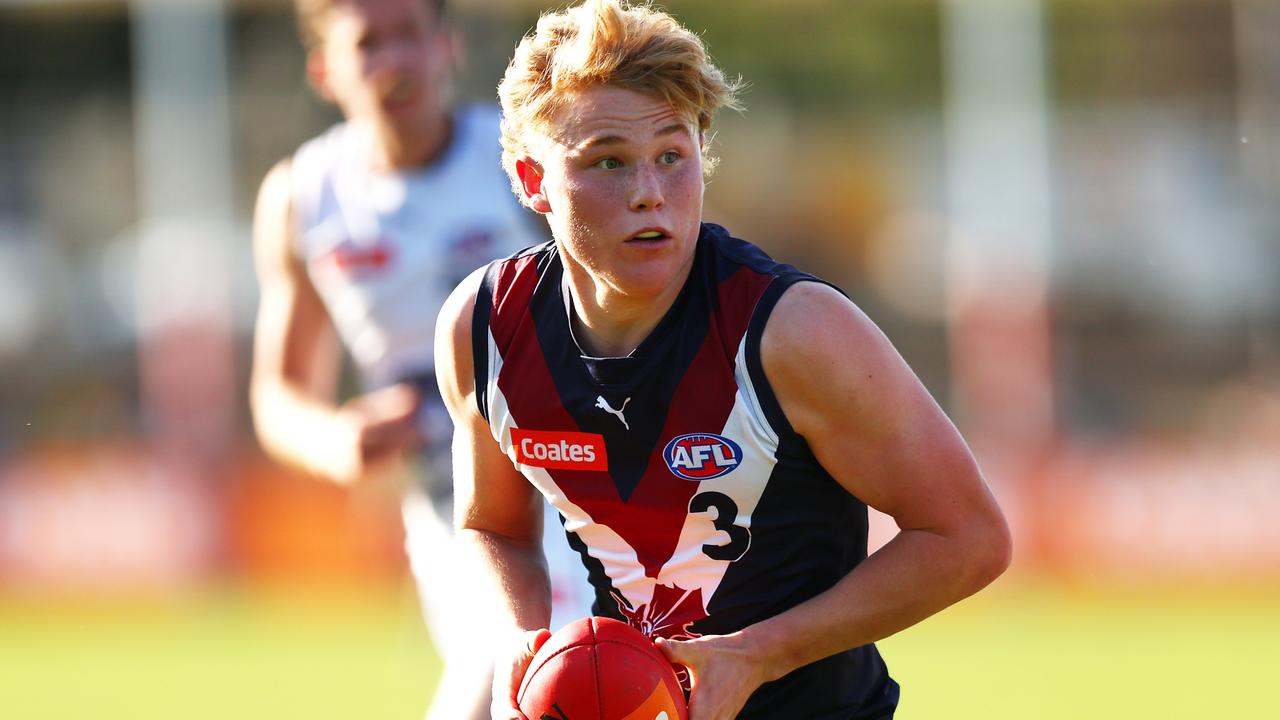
{"x": 297, "y": 359}
{"x": 497, "y": 513}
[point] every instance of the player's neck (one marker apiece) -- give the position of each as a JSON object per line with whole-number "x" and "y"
{"x": 607, "y": 323}
{"x": 395, "y": 149}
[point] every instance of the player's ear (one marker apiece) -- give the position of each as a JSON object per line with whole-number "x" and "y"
{"x": 318, "y": 74}
{"x": 530, "y": 174}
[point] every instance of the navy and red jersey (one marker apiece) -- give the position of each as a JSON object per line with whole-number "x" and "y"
{"x": 695, "y": 506}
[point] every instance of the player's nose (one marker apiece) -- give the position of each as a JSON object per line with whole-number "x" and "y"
{"x": 646, "y": 188}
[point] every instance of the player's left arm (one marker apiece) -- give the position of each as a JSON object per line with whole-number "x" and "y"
{"x": 497, "y": 513}
{"x": 875, "y": 428}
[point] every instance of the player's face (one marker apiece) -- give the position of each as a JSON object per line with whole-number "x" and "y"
{"x": 622, "y": 187}
{"x": 384, "y": 60}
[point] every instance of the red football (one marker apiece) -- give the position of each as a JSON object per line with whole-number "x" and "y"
{"x": 600, "y": 669}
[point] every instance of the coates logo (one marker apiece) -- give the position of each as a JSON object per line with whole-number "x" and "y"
{"x": 561, "y": 450}
{"x": 702, "y": 456}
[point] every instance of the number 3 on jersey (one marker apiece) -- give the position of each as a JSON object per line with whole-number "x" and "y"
{"x": 726, "y": 510}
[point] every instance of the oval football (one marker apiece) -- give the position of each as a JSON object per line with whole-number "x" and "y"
{"x": 600, "y": 669}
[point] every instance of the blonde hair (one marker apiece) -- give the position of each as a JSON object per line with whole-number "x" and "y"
{"x": 606, "y": 42}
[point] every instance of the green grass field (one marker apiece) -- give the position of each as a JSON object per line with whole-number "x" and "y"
{"x": 1052, "y": 653}
{"x": 1020, "y": 651}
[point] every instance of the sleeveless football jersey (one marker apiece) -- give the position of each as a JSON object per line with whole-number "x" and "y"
{"x": 695, "y": 506}
{"x": 384, "y": 249}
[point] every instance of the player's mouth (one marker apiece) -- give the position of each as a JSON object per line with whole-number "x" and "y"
{"x": 650, "y": 236}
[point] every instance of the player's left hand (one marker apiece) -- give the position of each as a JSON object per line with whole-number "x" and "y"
{"x": 509, "y": 669}
{"x": 723, "y": 673}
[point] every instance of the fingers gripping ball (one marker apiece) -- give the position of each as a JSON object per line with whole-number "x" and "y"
{"x": 600, "y": 669}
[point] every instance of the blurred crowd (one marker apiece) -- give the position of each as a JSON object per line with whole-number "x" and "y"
{"x": 1065, "y": 214}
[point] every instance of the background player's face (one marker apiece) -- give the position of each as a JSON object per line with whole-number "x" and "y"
{"x": 383, "y": 60}
{"x": 622, "y": 187}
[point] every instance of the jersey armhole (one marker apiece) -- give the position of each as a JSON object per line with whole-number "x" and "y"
{"x": 755, "y": 331}
{"x": 480, "y": 337}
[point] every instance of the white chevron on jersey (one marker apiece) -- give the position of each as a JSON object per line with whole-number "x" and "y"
{"x": 689, "y": 567}
{"x": 603, "y": 544}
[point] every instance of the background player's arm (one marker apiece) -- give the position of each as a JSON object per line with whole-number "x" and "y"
{"x": 875, "y": 428}
{"x": 497, "y": 513}
{"x": 297, "y": 359}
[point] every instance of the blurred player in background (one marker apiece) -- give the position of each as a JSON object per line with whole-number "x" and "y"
{"x": 711, "y": 424}
{"x": 358, "y": 239}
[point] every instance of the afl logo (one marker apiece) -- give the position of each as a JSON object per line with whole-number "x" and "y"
{"x": 702, "y": 456}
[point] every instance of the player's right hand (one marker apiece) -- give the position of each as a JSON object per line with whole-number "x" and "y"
{"x": 509, "y": 669}
{"x": 372, "y": 430}
{"x": 724, "y": 672}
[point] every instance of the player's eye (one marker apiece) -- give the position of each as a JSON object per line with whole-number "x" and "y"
{"x": 608, "y": 163}
{"x": 669, "y": 157}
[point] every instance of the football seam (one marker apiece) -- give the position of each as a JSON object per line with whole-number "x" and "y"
{"x": 595, "y": 662}
{"x": 576, "y": 646}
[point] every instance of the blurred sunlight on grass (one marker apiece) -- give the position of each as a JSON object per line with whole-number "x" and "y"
{"x": 1022, "y": 650}
{"x": 247, "y": 655}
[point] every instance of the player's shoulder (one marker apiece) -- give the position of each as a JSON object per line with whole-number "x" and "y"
{"x": 456, "y": 312}
{"x": 454, "y": 335}
{"x": 315, "y": 165}
{"x": 495, "y": 277}
{"x": 815, "y": 325}
{"x": 522, "y": 268}
{"x": 728, "y": 253}
{"x": 326, "y": 141}
{"x": 288, "y": 193}
{"x": 808, "y": 299}
{"x": 803, "y": 318}
{"x": 504, "y": 288}
{"x": 810, "y": 311}
{"x": 275, "y": 184}
{"x": 275, "y": 195}
{"x": 322, "y": 150}
{"x": 273, "y": 216}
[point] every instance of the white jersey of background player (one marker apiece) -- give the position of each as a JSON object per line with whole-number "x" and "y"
{"x": 358, "y": 240}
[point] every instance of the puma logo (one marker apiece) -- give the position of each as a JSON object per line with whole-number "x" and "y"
{"x": 604, "y": 405}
